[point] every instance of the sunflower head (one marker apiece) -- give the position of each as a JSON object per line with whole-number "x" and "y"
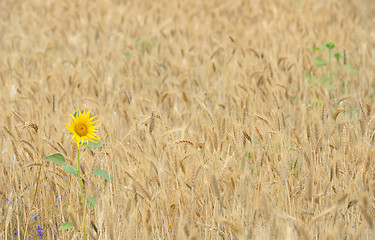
{"x": 81, "y": 126}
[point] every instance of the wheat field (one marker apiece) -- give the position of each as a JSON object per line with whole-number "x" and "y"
{"x": 219, "y": 119}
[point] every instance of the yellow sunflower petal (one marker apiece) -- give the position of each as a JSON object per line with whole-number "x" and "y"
{"x": 82, "y": 128}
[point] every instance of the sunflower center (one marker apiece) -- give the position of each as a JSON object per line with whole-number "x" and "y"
{"x": 81, "y": 129}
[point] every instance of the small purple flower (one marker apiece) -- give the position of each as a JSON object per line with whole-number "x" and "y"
{"x": 6, "y": 200}
{"x": 35, "y": 217}
{"x": 39, "y": 229}
{"x": 65, "y": 177}
{"x": 40, "y": 235}
{"x": 15, "y": 233}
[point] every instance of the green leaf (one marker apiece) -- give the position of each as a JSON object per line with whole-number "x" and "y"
{"x": 248, "y": 154}
{"x": 56, "y": 158}
{"x": 91, "y": 200}
{"x": 330, "y": 45}
{"x": 308, "y": 78}
{"x": 138, "y": 42}
{"x": 127, "y": 54}
{"x": 66, "y": 225}
{"x": 351, "y": 69}
{"x": 102, "y": 173}
{"x": 318, "y": 61}
{"x": 71, "y": 169}
{"x": 292, "y": 161}
{"x": 337, "y": 55}
{"x": 96, "y": 144}
{"x": 291, "y": 148}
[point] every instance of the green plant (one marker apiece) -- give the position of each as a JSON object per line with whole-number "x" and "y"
{"x": 326, "y": 79}
{"x": 141, "y": 47}
{"x": 84, "y": 133}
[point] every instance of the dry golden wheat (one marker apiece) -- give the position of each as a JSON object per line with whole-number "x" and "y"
{"x": 174, "y": 85}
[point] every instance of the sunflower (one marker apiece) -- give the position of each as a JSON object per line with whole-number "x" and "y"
{"x": 81, "y": 126}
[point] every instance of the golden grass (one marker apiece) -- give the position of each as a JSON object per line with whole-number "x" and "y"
{"x": 212, "y": 130}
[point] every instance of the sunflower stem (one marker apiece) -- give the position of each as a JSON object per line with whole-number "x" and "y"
{"x": 82, "y": 196}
